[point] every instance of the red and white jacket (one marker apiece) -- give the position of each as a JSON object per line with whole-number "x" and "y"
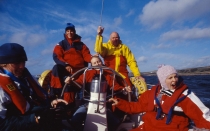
{"x": 189, "y": 108}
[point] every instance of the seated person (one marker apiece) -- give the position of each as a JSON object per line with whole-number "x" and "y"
{"x": 24, "y": 106}
{"x": 168, "y": 106}
{"x": 80, "y": 115}
{"x": 70, "y": 55}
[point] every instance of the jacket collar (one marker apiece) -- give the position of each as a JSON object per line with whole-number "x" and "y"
{"x": 112, "y": 46}
{"x": 76, "y": 38}
{"x": 167, "y": 92}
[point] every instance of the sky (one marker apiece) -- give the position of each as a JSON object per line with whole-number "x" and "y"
{"x": 173, "y": 32}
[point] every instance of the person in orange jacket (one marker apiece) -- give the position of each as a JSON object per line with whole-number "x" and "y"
{"x": 80, "y": 115}
{"x": 70, "y": 55}
{"x": 168, "y": 105}
{"x": 96, "y": 61}
{"x": 24, "y": 105}
{"x": 117, "y": 55}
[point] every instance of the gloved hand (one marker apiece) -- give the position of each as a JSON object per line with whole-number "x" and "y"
{"x": 44, "y": 115}
{"x": 49, "y": 119}
{"x": 60, "y": 111}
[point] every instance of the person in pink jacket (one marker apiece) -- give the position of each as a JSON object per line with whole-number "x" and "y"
{"x": 169, "y": 105}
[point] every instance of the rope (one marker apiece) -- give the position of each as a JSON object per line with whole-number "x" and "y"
{"x": 101, "y": 11}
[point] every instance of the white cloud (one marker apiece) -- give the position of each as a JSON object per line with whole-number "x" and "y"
{"x": 37, "y": 65}
{"x": 47, "y": 51}
{"x": 142, "y": 59}
{"x": 131, "y": 12}
{"x": 156, "y": 13}
{"x": 18, "y": 38}
{"x": 25, "y": 38}
{"x": 87, "y": 30}
{"x": 56, "y": 31}
{"x": 160, "y": 46}
{"x": 191, "y": 62}
{"x": 186, "y": 34}
{"x": 90, "y": 43}
{"x": 180, "y": 61}
{"x": 10, "y": 24}
{"x": 44, "y": 24}
{"x": 122, "y": 4}
{"x": 2, "y": 37}
{"x": 117, "y": 21}
{"x": 165, "y": 56}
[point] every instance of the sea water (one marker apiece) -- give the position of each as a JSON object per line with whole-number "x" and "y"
{"x": 199, "y": 84}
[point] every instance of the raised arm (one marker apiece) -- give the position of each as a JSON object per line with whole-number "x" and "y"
{"x": 99, "y": 41}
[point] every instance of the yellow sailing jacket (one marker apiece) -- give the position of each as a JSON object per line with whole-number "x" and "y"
{"x": 117, "y": 58}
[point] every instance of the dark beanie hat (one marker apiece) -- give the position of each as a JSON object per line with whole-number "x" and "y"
{"x": 70, "y": 26}
{"x": 12, "y": 53}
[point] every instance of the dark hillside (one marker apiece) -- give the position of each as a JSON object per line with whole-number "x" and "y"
{"x": 189, "y": 71}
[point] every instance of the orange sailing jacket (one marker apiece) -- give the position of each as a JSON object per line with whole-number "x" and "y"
{"x": 74, "y": 53}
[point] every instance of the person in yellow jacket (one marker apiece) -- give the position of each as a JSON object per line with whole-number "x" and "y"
{"x": 117, "y": 55}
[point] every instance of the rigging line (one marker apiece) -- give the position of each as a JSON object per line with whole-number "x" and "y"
{"x": 101, "y": 11}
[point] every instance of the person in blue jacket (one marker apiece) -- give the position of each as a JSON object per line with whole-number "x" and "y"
{"x": 24, "y": 105}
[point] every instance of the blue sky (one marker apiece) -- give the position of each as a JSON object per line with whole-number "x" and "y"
{"x": 174, "y": 32}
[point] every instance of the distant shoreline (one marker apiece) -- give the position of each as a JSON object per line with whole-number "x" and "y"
{"x": 181, "y": 74}
{"x": 185, "y": 72}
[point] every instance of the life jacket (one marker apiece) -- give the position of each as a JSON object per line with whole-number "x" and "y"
{"x": 8, "y": 85}
{"x": 77, "y": 45}
{"x": 167, "y": 108}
